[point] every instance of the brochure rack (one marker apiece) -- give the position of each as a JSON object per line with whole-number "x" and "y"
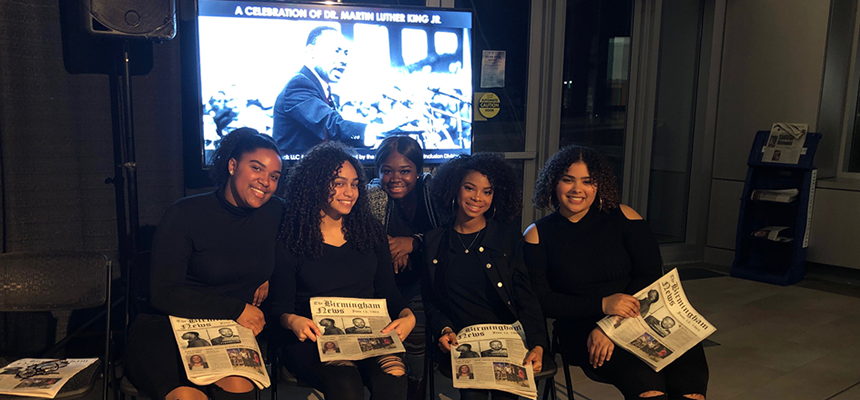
{"x": 761, "y": 259}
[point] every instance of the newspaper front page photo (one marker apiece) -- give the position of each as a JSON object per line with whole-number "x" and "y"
{"x": 490, "y": 356}
{"x": 212, "y": 349}
{"x": 352, "y": 328}
{"x": 667, "y": 325}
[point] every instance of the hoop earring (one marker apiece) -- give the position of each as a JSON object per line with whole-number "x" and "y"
{"x": 453, "y": 205}
{"x": 492, "y": 216}
{"x": 601, "y": 204}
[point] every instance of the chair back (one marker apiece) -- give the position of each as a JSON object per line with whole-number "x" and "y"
{"x": 53, "y": 281}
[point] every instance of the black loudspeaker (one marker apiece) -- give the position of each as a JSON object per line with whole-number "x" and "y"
{"x": 131, "y": 19}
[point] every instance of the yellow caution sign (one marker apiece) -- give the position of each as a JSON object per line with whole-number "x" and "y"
{"x": 488, "y": 105}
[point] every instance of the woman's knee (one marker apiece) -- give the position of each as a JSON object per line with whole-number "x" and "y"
{"x": 653, "y": 395}
{"x": 392, "y": 365}
{"x": 186, "y": 393}
{"x": 235, "y": 384}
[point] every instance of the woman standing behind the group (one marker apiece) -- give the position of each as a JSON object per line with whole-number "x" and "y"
{"x": 400, "y": 198}
{"x": 475, "y": 272}
{"x": 585, "y": 260}
{"x": 211, "y": 258}
{"x": 333, "y": 247}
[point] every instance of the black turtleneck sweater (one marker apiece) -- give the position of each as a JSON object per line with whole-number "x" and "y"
{"x": 209, "y": 256}
{"x": 576, "y": 265}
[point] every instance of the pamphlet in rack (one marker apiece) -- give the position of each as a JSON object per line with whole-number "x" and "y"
{"x": 785, "y": 144}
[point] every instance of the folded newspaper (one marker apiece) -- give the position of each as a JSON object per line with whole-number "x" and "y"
{"x": 40, "y": 377}
{"x": 666, "y": 328}
{"x": 212, "y": 349}
{"x": 775, "y": 195}
{"x": 352, "y": 328}
{"x": 490, "y": 356}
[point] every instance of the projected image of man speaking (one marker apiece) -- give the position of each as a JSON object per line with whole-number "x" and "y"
{"x": 306, "y": 111}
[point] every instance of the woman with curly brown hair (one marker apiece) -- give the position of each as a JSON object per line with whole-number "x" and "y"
{"x": 475, "y": 272}
{"x": 586, "y": 260}
{"x": 332, "y": 246}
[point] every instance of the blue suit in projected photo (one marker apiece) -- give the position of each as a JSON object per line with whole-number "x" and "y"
{"x": 305, "y": 111}
{"x": 305, "y": 116}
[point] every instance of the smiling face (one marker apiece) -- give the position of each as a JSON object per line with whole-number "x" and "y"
{"x": 475, "y": 196}
{"x": 464, "y": 370}
{"x": 343, "y": 192}
{"x": 253, "y": 178}
{"x": 330, "y": 345}
{"x": 329, "y": 55}
{"x": 575, "y": 192}
{"x": 196, "y": 359}
{"x": 398, "y": 175}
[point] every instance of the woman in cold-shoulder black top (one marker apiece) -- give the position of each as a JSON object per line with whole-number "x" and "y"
{"x": 586, "y": 260}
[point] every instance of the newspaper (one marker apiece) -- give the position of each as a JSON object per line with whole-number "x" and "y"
{"x": 40, "y": 377}
{"x": 352, "y": 328}
{"x": 490, "y": 356}
{"x": 212, "y": 349}
{"x": 785, "y": 143}
{"x": 667, "y": 327}
{"x": 775, "y": 195}
{"x": 774, "y": 234}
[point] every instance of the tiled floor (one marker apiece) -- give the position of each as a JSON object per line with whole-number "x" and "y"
{"x": 782, "y": 343}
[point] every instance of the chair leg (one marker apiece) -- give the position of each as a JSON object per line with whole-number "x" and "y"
{"x": 567, "y": 379}
{"x": 429, "y": 373}
{"x": 549, "y": 388}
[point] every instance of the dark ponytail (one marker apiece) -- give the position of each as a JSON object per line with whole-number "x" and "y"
{"x": 234, "y": 145}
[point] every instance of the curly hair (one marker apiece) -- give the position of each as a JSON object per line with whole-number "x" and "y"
{"x": 234, "y": 145}
{"x": 598, "y": 169}
{"x": 507, "y": 196}
{"x": 310, "y": 188}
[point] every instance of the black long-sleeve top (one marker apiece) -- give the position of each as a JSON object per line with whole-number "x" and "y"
{"x": 576, "y": 265}
{"x": 499, "y": 252}
{"x": 209, "y": 256}
{"x": 339, "y": 272}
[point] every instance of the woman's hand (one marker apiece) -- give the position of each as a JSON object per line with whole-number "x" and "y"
{"x": 535, "y": 356}
{"x": 400, "y": 263}
{"x": 304, "y": 328}
{"x": 403, "y": 325}
{"x": 400, "y": 246}
{"x": 599, "y": 348}
{"x": 621, "y": 304}
{"x": 261, "y": 293}
{"x": 252, "y": 318}
{"x": 448, "y": 339}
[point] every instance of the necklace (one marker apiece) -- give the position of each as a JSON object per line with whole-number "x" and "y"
{"x": 470, "y": 244}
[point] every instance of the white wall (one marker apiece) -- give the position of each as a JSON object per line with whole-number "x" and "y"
{"x": 772, "y": 69}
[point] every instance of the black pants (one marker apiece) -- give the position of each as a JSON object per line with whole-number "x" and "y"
{"x": 341, "y": 382}
{"x": 686, "y": 375}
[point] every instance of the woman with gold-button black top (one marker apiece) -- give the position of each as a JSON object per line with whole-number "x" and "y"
{"x": 475, "y": 272}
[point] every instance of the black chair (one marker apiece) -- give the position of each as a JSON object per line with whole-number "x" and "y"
{"x": 61, "y": 281}
{"x": 589, "y": 372}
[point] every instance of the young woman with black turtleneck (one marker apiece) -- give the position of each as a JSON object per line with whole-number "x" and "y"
{"x": 586, "y": 260}
{"x": 211, "y": 258}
